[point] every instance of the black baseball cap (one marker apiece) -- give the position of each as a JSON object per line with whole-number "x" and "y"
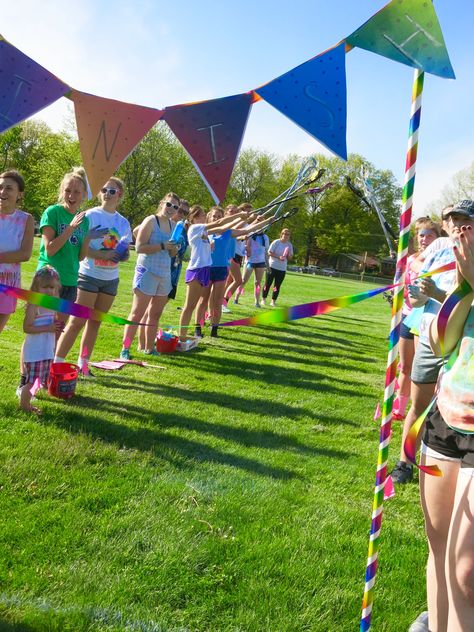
{"x": 464, "y": 207}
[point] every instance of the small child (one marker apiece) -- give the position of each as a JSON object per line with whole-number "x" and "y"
{"x": 40, "y": 327}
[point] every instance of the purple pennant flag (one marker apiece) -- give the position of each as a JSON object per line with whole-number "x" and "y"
{"x": 313, "y": 96}
{"x": 25, "y": 86}
{"x": 211, "y": 132}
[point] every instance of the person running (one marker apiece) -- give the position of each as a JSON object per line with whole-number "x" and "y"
{"x": 152, "y": 280}
{"x": 98, "y": 272}
{"x": 16, "y": 238}
{"x": 448, "y": 442}
{"x": 279, "y": 252}
{"x": 40, "y": 327}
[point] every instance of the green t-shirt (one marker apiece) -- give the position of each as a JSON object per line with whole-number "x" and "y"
{"x": 66, "y": 260}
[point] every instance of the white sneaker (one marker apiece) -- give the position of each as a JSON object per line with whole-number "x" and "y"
{"x": 272, "y": 304}
{"x": 226, "y": 310}
{"x": 420, "y": 624}
{"x": 262, "y": 302}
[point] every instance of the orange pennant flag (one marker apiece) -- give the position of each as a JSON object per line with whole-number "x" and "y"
{"x": 108, "y": 132}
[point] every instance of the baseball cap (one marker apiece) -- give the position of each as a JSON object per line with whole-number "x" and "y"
{"x": 464, "y": 207}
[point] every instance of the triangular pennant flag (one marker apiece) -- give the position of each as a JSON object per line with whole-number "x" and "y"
{"x": 389, "y": 489}
{"x": 211, "y": 132}
{"x": 108, "y": 132}
{"x": 313, "y": 96}
{"x": 406, "y": 31}
{"x": 25, "y": 86}
{"x": 378, "y": 412}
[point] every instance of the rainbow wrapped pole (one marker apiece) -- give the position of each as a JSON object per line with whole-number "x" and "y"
{"x": 386, "y": 420}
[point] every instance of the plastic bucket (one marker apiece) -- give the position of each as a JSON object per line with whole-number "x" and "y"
{"x": 63, "y": 379}
{"x": 167, "y": 345}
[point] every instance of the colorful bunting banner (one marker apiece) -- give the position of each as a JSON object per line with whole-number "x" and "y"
{"x": 25, "y": 86}
{"x": 211, "y": 132}
{"x": 406, "y": 31}
{"x": 313, "y": 96}
{"x": 108, "y": 132}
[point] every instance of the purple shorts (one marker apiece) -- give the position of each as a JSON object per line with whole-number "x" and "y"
{"x": 203, "y": 275}
{"x": 219, "y": 273}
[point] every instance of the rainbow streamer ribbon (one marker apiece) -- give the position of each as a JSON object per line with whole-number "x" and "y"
{"x": 63, "y": 306}
{"x": 317, "y": 308}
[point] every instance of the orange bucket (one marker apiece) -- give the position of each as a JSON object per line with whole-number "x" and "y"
{"x": 167, "y": 345}
{"x": 63, "y": 379}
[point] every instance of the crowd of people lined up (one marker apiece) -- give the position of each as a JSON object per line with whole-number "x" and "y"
{"x": 80, "y": 256}
{"x": 79, "y": 260}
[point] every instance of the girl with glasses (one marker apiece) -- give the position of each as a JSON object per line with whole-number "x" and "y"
{"x": 152, "y": 280}
{"x": 99, "y": 271}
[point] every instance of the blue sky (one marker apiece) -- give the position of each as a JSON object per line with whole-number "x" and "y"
{"x": 159, "y": 53}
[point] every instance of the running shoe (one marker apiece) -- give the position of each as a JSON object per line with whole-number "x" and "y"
{"x": 420, "y": 624}
{"x": 125, "y": 354}
{"x": 226, "y": 310}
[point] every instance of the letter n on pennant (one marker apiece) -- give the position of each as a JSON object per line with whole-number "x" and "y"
{"x": 108, "y": 132}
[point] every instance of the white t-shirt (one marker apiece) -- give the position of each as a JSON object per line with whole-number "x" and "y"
{"x": 258, "y": 248}
{"x": 278, "y": 248}
{"x": 200, "y": 247}
{"x": 118, "y": 228}
{"x": 40, "y": 346}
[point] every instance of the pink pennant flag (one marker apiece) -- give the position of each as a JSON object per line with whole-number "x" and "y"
{"x": 109, "y": 365}
{"x": 211, "y": 132}
{"x": 35, "y": 387}
{"x": 108, "y": 132}
{"x": 378, "y": 412}
{"x": 389, "y": 489}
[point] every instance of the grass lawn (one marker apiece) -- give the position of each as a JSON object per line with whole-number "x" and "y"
{"x": 230, "y": 491}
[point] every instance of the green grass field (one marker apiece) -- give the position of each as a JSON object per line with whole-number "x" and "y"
{"x": 230, "y": 491}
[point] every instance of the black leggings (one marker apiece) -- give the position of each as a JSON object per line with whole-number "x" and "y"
{"x": 276, "y": 276}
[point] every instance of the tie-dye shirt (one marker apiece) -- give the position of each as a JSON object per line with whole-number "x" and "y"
{"x": 456, "y": 393}
{"x": 12, "y": 231}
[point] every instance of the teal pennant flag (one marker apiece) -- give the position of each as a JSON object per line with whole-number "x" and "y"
{"x": 313, "y": 96}
{"x": 406, "y": 31}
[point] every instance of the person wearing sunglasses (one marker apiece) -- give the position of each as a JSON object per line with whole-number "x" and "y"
{"x": 152, "y": 280}
{"x": 99, "y": 271}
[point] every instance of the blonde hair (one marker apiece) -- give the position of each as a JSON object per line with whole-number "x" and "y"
{"x": 46, "y": 273}
{"x": 245, "y": 206}
{"x": 427, "y": 223}
{"x": 77, "y": 173}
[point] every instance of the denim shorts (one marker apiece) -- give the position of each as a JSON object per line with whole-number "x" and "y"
{"x": 151, "y": 284}
{"x": 426, "y": 366}
{"x": 97, "y": 286}
{"x": 405, "y": 332}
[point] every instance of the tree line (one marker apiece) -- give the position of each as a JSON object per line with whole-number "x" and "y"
{"x": 328, "y": 225}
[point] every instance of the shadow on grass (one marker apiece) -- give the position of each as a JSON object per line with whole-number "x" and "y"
{"x": 7, "y": 626}
{"x": 221, "y": 399}
{"x": 173, "y": 448}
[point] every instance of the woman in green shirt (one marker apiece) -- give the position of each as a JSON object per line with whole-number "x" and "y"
{"x": 64, "y": 232}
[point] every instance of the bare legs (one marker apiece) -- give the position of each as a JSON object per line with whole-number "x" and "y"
{"x": 421, "y": 395}
{"x": 194, "y": 291}
{"x": 448, "y": 505}
{"x": 407, "y": 351}
{"x": 3, "y": 320}
{"x": 100, "y": 301}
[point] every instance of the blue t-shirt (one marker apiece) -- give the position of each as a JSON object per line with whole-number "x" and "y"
{"x": 220, "y": 252}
